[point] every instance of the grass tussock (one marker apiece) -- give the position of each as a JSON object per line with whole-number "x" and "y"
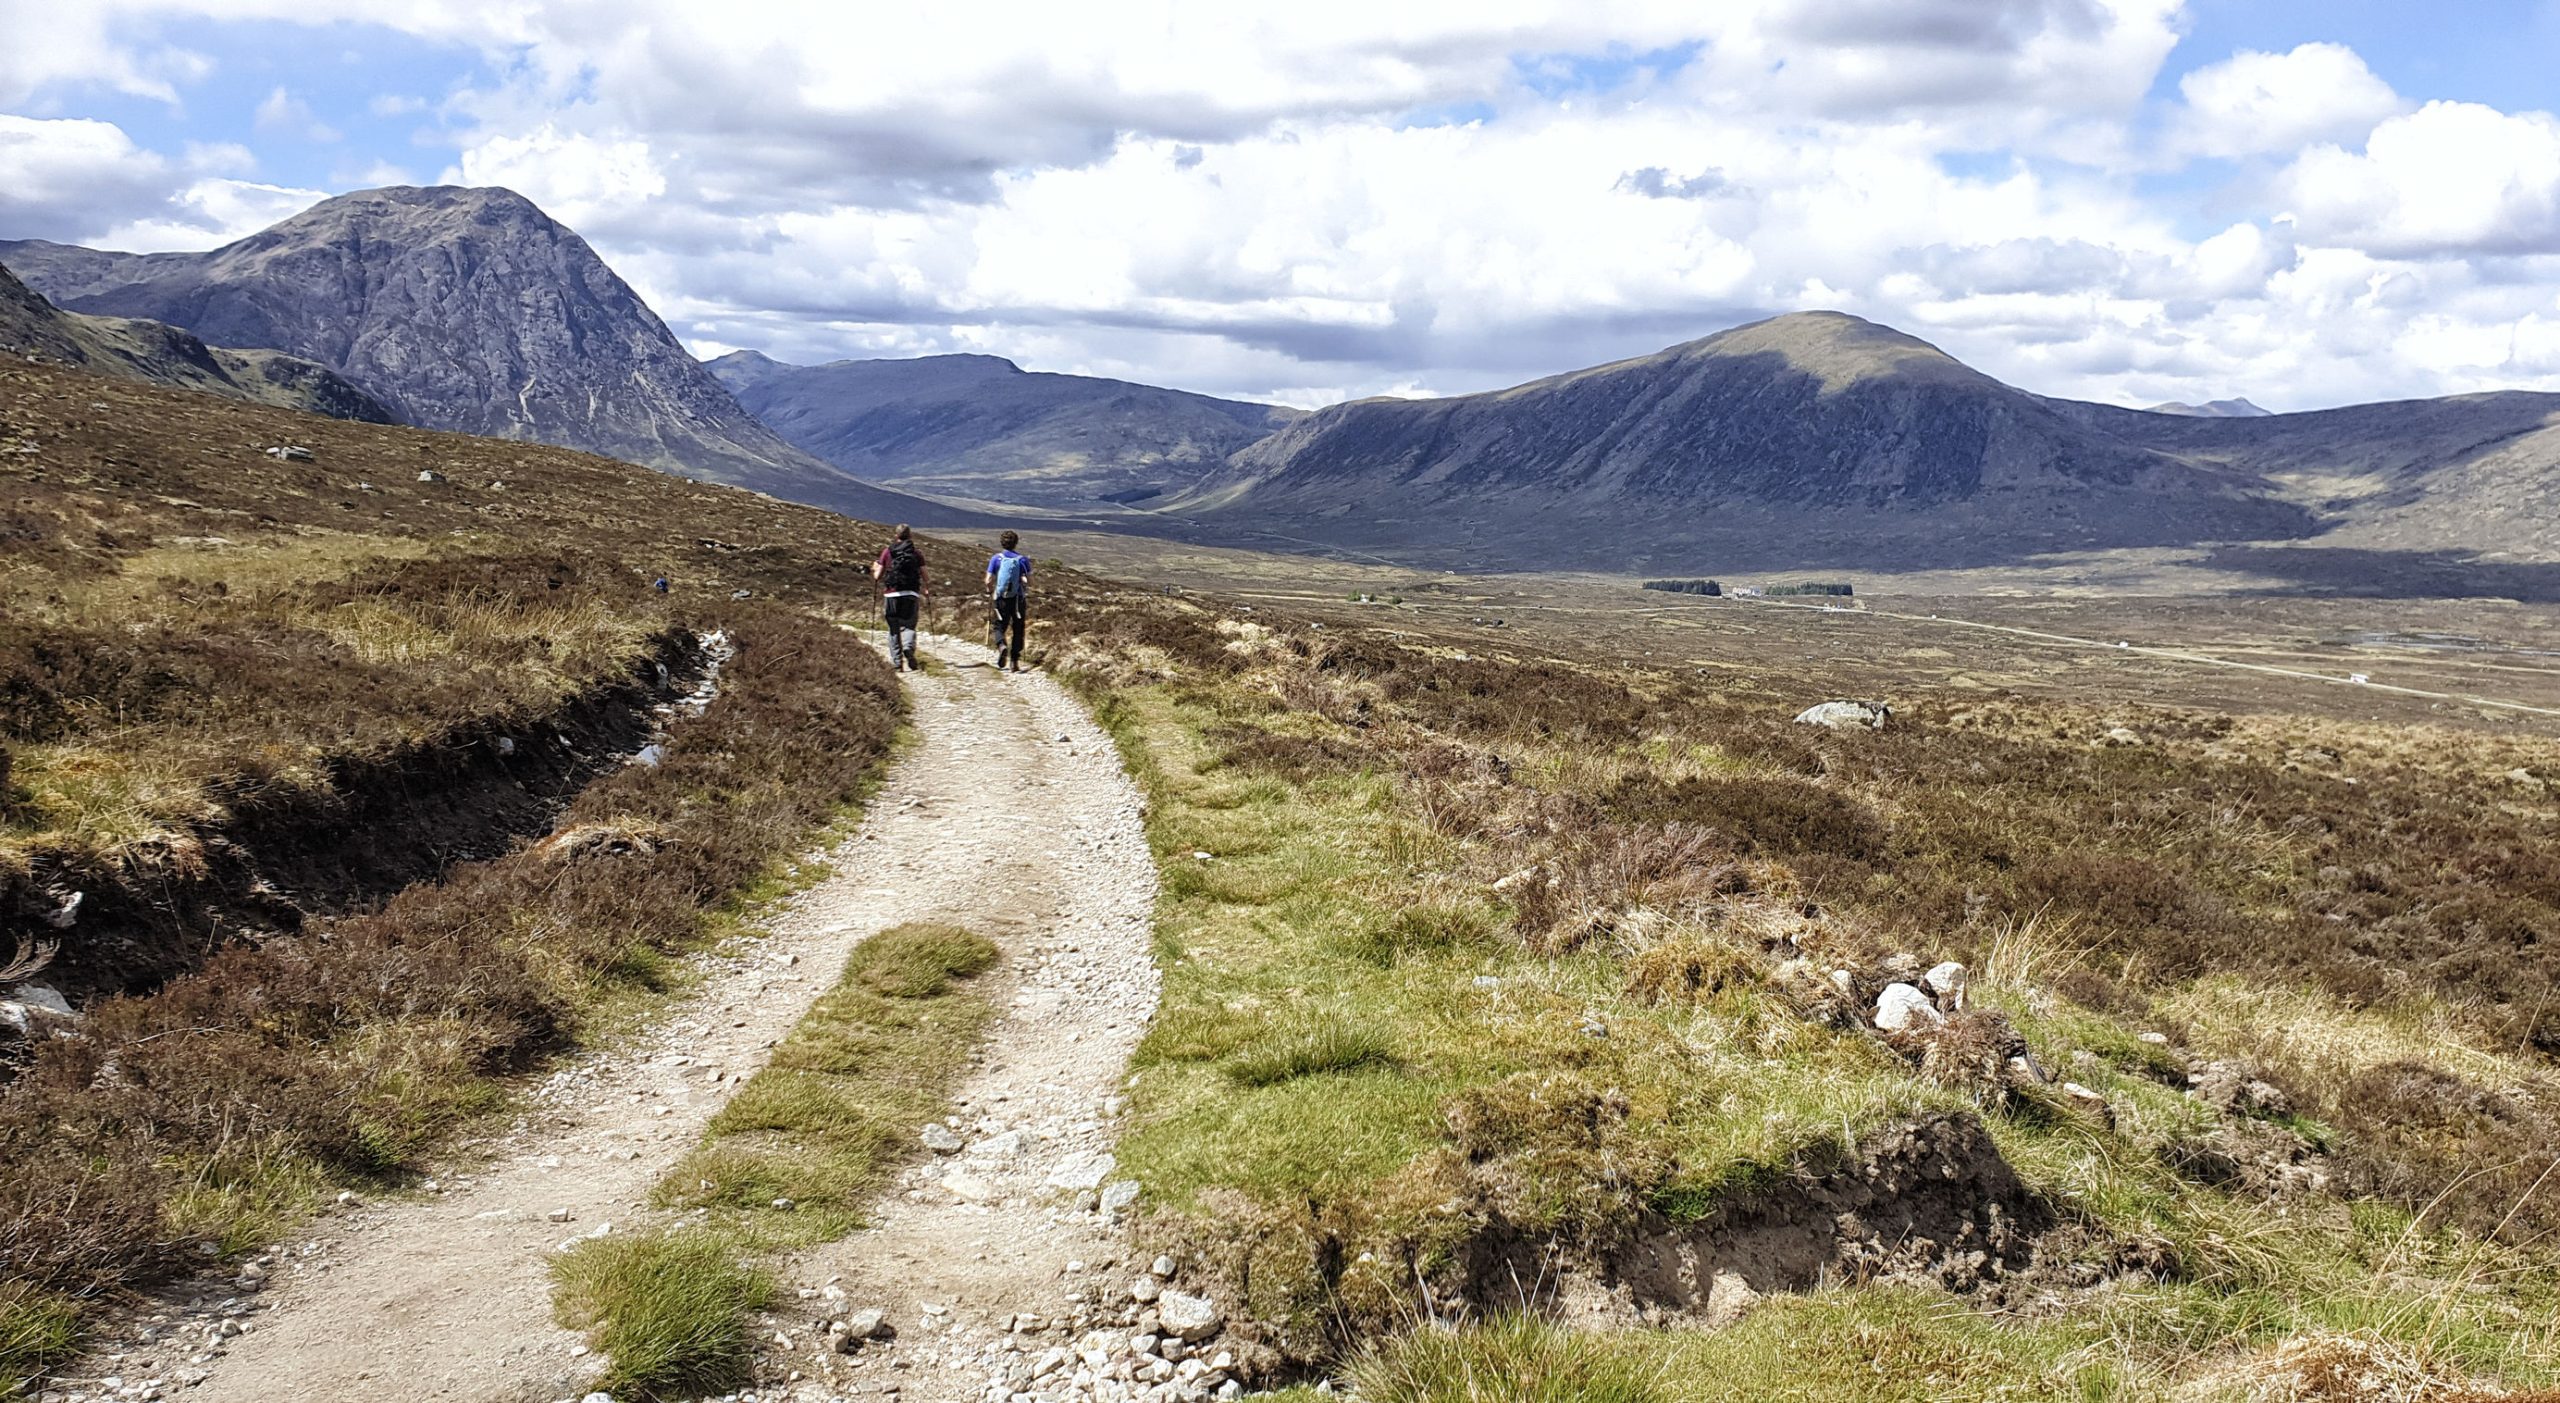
{"x": 1515, "y": 1359}
{"x": 920, "y": 961}
{"x": 837, "y": 1106}
{"x": 1306, "y": 1047}
{"x": 672, "y": 1311}
{"x": 35, "y": 1328}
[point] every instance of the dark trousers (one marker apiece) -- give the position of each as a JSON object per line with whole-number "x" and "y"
{"x": 1011, "y": 612}
{"x": 901, "y": 616}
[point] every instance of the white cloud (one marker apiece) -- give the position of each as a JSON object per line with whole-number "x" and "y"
{"x": 584, "y": 181}
{"x": 209, "y": 213}
{"x": 1343, "y": 197}
{"x": 2450, "y": 178}
{"x": 2258, "y": 103}
{"x": 67, "y": 179}
{"x": 283, "y": 114}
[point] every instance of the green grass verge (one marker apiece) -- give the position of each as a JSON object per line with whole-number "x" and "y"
{"x": 1335, "y": 1004}
{"x": 819, "y": 1127}
{"x": 670, "y": 1310}
{"x": 1360, "y": 1063}
{"x": 826, "y": 1118}
{"x": 1867, "y": 1346}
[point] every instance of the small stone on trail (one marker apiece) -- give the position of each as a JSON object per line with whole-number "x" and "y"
{"x": 1946, "y": 978}
{"x": 967, "y": 1187}
{"x": 1163, "y": 1266}
{"x": 1086, "y": 1170}
{"x": 1192, "y": 1318}
{"x": 1145, "y": 1289}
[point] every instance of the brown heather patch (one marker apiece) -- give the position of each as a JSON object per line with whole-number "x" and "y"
{"x": 213, "y": 663}
{"x": 274, "y": 1052}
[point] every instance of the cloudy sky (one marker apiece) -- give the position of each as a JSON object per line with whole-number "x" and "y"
{"x": 2306, "y": 202}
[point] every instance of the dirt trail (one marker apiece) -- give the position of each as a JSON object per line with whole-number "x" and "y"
{"x": 1011, "y": 815}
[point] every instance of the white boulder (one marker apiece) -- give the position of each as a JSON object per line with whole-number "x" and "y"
{"x": 1840, "y": 714}
{"x": 1900, "y": 1006}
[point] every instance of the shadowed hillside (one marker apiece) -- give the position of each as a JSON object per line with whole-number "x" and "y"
{"x": 164, "y": 355}
{"x": 1821, "y": 440}
{"x": 1772, "y": 437}
{"x": 982, "y": 427}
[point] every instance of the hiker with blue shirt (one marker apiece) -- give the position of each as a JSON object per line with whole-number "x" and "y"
{"x": 1009, "y": 584}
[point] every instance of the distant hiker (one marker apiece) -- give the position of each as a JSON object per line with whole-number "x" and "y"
{"x": 900, "y": 571}
{"x": 1009, "y": 584}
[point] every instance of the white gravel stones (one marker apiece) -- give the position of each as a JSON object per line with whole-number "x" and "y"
{"x": 940, "y": 1138}
{"x": 1042, "y": 848}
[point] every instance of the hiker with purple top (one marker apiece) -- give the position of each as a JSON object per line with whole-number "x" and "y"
{"x": 900, "y": 571}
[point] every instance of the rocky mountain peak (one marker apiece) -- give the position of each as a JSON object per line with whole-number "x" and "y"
{"x": 463, "y": 308}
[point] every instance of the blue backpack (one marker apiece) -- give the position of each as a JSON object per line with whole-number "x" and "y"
{"x": 1011, "y": 569}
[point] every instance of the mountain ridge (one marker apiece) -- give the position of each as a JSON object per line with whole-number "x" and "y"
{"x": 1821, "y": 438}
{"x": 136, "y": 349}
{"x": 981, "y": 427}
{"x": 461, "y": 308}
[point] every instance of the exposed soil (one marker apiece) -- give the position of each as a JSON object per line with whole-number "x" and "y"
{"x": 287, "y": 856}
{"x": 1012, "y": 817}
{"x": 1928, "y": 1201}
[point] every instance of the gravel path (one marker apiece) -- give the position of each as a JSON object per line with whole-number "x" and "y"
{"x": 1012, "y": 816}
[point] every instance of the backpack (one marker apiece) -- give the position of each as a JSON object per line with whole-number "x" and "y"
{"x": 1011, "y": 568}
{"x": 906, "y": 568}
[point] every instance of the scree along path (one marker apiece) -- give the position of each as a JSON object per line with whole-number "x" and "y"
{"x": 1010, "y": 815}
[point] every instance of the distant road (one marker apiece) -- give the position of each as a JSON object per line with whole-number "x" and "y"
{"x": 2172, "y": 654}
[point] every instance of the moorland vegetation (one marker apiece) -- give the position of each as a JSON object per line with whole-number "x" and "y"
{"x": 1492, "y": 980}
{"x": 1509, "y": 999}
{"x": 290, "y": 730}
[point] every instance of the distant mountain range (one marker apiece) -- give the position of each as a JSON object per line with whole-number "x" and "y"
{"x": 2212, "y": 409}
{"x": 983, "y": 428}
{"x": 1815, "y": 440}
{"x": 463, "y": 309}
{"x": 163, "y": 355}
